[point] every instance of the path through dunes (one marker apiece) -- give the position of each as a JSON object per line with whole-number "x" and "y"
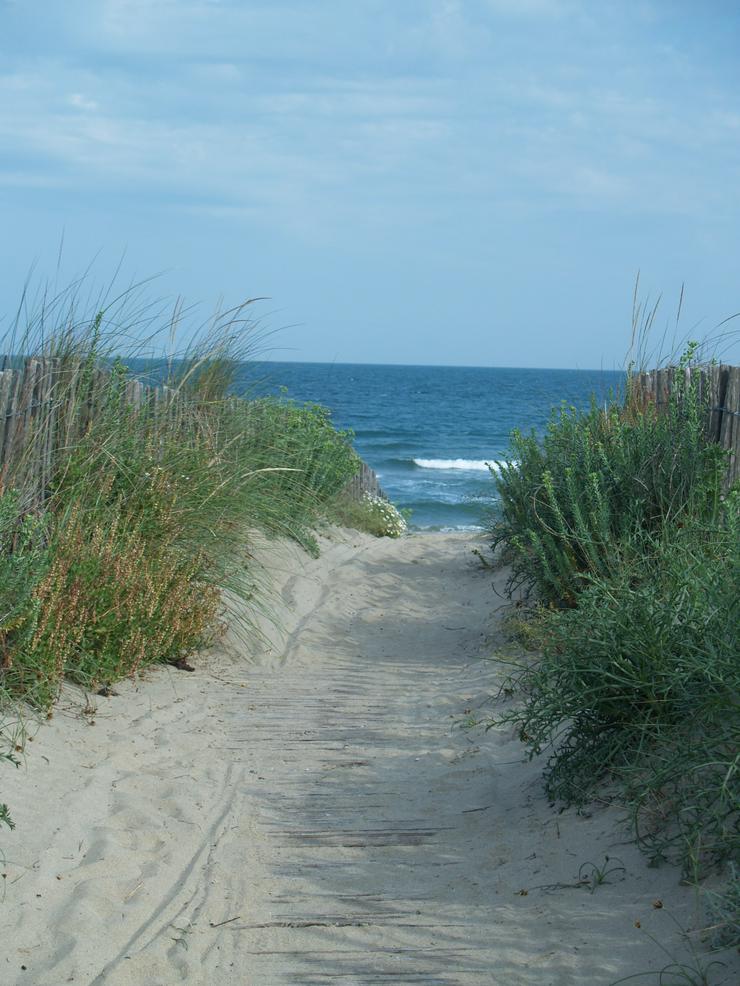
{"x": 320, "y": 816}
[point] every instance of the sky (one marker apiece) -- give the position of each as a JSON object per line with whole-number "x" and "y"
{"x": 468, "y": 182}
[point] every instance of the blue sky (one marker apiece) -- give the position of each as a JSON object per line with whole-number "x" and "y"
{"x": 472, "y": 182}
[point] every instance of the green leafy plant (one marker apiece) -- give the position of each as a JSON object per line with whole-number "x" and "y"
{"x": 571, "y": 503}
{"x": 595, "y": 875}
{"x": 640, "y": 682}
{"x": 617, "y": 524}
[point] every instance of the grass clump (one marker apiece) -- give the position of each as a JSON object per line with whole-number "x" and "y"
{"x": 617, "y": 524}
{"x": 111, "y": 602}
{"x": 113, "y": 558}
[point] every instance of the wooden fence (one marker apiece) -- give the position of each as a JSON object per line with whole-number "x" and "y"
{"x": 718, "y": 387}
{"x": 365, "y": 481}
{"x": 47, "y": 405}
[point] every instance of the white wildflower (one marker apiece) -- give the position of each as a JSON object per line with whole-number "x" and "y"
{"x": 391, "y": 521}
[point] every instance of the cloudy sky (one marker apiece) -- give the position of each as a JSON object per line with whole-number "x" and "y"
{"x": 410, "y": 181}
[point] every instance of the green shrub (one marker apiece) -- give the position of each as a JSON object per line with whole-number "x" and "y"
{"x": 370, "y": 514}
{"x": 639, "y": 686}
{"x": 617, "y": 524}
{"x": 110, "y": 603}
{"x": 571, "y": 503}
{"x": 24, "y": 560}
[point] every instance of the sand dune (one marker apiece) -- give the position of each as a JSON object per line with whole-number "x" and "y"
{"x": 314, "y": 812}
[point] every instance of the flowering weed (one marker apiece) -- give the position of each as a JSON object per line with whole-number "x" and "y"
{"x": 372, "y": 514}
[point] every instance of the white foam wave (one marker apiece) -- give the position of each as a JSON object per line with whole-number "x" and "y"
{"x": 469, "y": 465}
{"x": 461, "y": 528}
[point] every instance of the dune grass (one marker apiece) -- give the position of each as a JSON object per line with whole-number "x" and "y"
{"x": 617, "y": 525}
{"x": 150, "y": 511}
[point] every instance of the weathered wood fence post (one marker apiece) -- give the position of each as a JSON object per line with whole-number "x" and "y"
{"x": 718, "y": 387}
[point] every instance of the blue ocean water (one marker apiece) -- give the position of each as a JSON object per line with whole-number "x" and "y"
{"x": 428, "y": 431}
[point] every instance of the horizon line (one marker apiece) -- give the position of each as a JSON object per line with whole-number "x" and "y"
{"x": 439, "y": 366}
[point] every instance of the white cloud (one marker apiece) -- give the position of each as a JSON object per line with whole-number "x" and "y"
{"x": 283, "y": 135}
{"x": 82, "y": 102}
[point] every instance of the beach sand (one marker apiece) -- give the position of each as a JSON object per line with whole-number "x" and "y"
{"x": 313, "y": 810}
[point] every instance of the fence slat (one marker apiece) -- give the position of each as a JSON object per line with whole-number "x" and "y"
{"x": 715, "y": 413}
{"x": 731, "y": 422}
{"x": 49, "y": 419}
{"x": 6, "y": 392}
{"x": 16, "y": 385}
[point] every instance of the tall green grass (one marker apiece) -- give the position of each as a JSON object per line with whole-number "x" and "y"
{"x": 147, "y": 514}
{"x": 617, "y": 524}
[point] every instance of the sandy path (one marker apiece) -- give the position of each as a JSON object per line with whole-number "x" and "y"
{"x": 319, "y": 815}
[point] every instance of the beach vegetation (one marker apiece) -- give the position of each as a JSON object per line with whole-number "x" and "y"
{"x": 371, "y": 514}
{"x": 594, "y": 875}
{"x": 148, "y": 508}
{"x": 597, "y": 482}
{"x": 618, "y": 527}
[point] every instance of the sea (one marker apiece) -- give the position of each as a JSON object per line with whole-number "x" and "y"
{"x": 435, "y": 435}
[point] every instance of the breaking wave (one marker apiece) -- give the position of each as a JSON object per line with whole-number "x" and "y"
{"x": 468, "y": 465}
